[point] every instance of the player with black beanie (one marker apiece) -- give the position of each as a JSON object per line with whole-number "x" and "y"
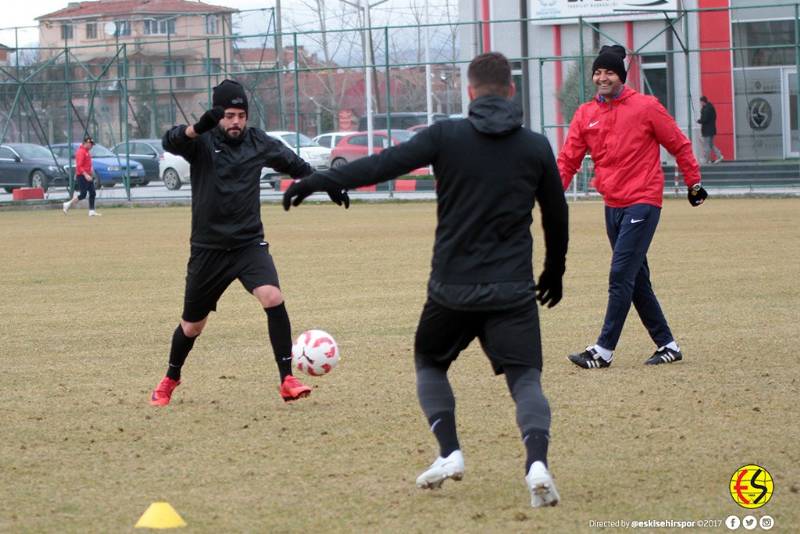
{"x": 623, "y": 131}
{"x": 227, "y": 241}
{"x": 490, "y": 171}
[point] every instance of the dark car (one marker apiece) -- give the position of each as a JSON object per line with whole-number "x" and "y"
{"x": 29, "y": 165}
{"x": 145, "y": 151}
{"x": 109, "y": 168}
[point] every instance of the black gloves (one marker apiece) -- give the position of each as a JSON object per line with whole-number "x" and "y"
{"x": 697, "y": 195}
{"x": 549, "y": 289}
{"x": 209, "y": 120}
{"x": 302, "y": 189}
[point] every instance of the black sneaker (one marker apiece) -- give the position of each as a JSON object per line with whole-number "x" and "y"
{"x": 589, "y": 359}
{"x": 664, "y": 355}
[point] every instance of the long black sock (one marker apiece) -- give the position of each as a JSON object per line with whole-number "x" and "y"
{"x": 443, "y": 426}
{"x": 181, "y": 345}
{"x": 280, "y": 336}
{"x": 536, "y": 442}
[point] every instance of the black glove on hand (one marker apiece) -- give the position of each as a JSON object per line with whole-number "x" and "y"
{"x": 302, "y": 189}
{"x": 697, "y": 195}
{"x": 549, "y": 289}
{"x": 209, "y": 120}
{"x": 339, "y": 197}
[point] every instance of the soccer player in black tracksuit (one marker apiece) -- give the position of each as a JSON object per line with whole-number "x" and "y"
{"x": 227, "y": 241}
{"x": 490, "y": 171}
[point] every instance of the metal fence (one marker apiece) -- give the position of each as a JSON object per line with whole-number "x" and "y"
{"x": 130, "y": 85}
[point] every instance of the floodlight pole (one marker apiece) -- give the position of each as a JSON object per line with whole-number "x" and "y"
{"x": 279, "y": 61}
{"x": 428, "y": 87}
{"x": 525, "y": 89}
{"x": 368, "y": 68}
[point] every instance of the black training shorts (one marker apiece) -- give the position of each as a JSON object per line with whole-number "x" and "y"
{"x": 508, "y": 337}
{"x": 210, "y": 272}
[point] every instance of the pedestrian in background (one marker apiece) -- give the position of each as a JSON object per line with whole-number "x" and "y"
{"x": 84, "y": 175}
{"x": 708, "y": 129}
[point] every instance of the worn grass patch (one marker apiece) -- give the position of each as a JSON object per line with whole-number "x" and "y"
{"x": 88, "y": 307}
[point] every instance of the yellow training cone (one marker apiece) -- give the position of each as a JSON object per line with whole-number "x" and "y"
{"x": 160, "y": 515}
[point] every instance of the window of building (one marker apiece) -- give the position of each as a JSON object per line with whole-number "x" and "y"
{"x": 123, "y": 27}
{"x": 214, "y": 66}
{"x": 212, "y": 24}
{"x": 91, "y": 30}
{"x": 654, "y": 78}
{"x": 760, "y": 39}
{"x": 177, "y": 67}
{"x": 66, "y": 31}
{"x": 159, "y": 26}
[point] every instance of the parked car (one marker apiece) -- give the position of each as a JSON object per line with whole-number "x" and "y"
{"x": 30, "y": 165}
{"x": 316, "y": 156}
{"x": 330, "y": 139}
{"x": 158, "y": 164}
{"x": 401, "y": 120}
{"x": 354, "y": 146}
{"x": 109, "y": 168}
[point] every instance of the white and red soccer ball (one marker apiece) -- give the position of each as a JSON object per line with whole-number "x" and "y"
{"x": 315, "y": 353}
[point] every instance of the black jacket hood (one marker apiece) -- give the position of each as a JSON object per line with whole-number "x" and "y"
{"x": 495, "y": 115}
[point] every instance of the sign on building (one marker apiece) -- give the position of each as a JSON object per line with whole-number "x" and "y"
{"x": 593, "y": 10}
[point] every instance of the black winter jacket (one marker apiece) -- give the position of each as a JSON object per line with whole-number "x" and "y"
{"x": 708, "y": 120}
{"x": 489, "y": 172}
{"x": 225, "y": 175}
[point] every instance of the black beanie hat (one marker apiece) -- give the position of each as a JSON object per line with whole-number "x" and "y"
{"x": 611, "y": 58}
{"x": 230, "y": 94}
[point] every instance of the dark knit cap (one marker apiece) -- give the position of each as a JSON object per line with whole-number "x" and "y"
{"x": 230, "y": 94}
{"x": 611, "y": 58}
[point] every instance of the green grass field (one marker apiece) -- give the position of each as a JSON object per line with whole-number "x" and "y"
{"x": 87, "y": 308}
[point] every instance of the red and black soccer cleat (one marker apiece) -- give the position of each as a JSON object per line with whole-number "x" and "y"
{"x": 163, "y": 392}
{"x": 292, "y": 389}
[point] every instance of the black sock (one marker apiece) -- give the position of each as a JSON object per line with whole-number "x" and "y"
{"x": 280, "y": 336}
{"x": 443, "y": 426}
{"x": 536, "y": 442}
{"x": 181, "y": 345}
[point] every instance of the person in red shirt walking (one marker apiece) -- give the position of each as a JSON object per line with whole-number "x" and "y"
{"x": 623, "y": 131}
{"x": 83, "y": 173}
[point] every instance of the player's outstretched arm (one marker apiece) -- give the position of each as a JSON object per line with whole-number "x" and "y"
{"x": 670, "y": 136}
{"x": 302, "y": 189}
{"x": 555, "y": 221}
{"x": 419, "y": 151}
{"x": 283, "y": 159}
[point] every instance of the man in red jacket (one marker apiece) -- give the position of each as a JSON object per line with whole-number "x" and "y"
{"x": 623, "y": 131}
{"x": 84, "y": 176}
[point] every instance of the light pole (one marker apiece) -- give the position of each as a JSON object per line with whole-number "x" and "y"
{"x": 367, "y": 44}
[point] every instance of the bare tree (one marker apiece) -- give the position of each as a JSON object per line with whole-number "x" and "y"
{"x": 333, "y": 46}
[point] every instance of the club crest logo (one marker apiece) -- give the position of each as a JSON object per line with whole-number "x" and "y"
{"x": 751, "y": 486}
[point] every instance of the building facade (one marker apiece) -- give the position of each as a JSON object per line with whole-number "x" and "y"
{"x": 171, "y": 52}
{"x": 741, "y": 54}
